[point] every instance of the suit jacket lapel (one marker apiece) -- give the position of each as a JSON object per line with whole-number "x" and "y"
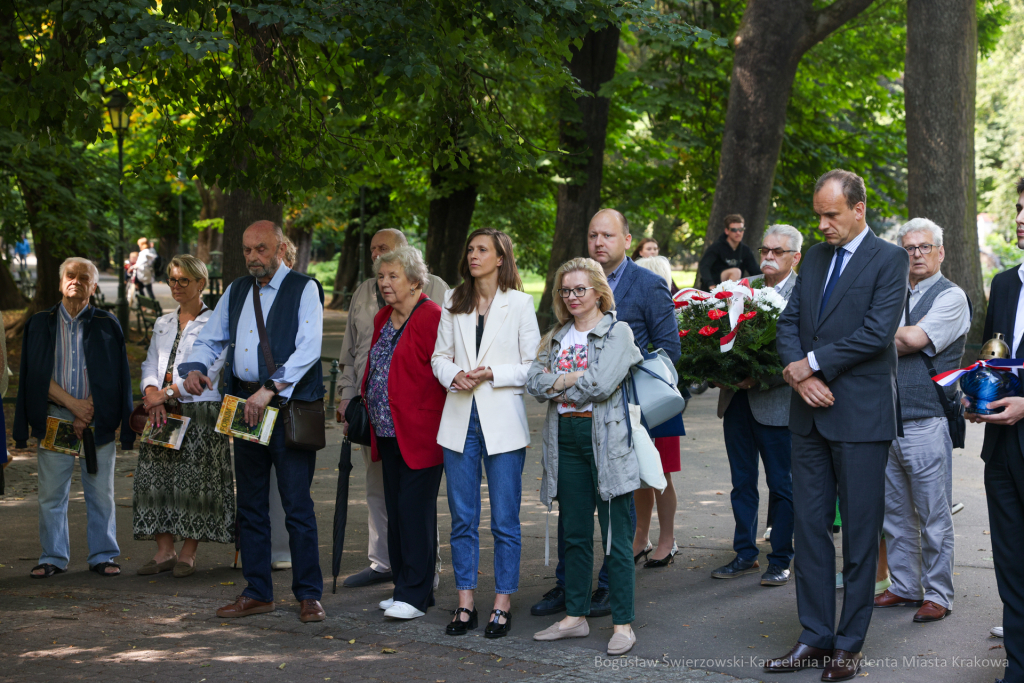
{"x": 495, "y": 318}
{"x": 865, "y": 252}
{"x": 1011, "y": 313}
{"x": 466, "y": 323}
{"x": 628, "y": 276}
{"x": 817, "y": 282}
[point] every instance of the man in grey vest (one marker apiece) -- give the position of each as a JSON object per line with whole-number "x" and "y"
{"x": 918, "y": 478}
{"x": 756, "y": 421}
{"x": 355, "y": 347}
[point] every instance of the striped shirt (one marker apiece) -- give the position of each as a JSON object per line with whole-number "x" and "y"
{"x": 69, "y": 369}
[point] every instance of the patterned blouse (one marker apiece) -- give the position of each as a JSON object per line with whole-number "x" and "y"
{"x": 377, "y": 386}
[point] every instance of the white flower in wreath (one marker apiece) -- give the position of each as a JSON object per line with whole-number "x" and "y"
{"x": 730, "y": 286}
{"x": 767, "y": 299}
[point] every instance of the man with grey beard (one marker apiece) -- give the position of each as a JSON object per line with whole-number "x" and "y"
{"x": 291, "y": 308}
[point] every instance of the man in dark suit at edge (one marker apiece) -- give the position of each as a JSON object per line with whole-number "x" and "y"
{"x": 836, "y": 342}
{"x": 1004, "y": 462}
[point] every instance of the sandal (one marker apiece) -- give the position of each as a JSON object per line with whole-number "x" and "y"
{"x": 101, "y": 568}
{"x": 48, "y": 570}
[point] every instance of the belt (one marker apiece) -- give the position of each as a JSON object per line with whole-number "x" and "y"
{"x": 585, "y": 413}
{"x": 251, "y": 387}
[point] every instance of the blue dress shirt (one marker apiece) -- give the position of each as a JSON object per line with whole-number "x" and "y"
{"x": 850, "y": 248}
{"x": 216, "y": 335}
{"x": 616, "y": 275}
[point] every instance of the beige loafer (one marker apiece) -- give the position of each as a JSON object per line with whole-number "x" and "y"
{"x": 183, "y": 569}
{"x": 621, "y": 643}
{"x": 154, "y": 567}
{"x": 553, "y": 632}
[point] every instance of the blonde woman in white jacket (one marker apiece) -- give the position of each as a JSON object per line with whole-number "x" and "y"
{"x": 486, "y": 342}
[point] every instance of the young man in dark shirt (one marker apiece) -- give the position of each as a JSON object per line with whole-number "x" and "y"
{"x": 728, "y": 253}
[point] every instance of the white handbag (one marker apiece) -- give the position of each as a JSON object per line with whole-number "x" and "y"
{"x": 652, "y": 475}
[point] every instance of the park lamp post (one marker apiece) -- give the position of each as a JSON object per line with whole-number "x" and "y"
{"x": 120, "y": 119}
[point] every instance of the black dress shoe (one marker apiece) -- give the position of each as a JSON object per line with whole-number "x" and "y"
{"x": 553, "y": 602}
{"x": 600, "y": 603}
{"x": 736, "y": 568}
{"x": 496, "y": 630}
{"x": 800, "y": 657}
{"x": 775, "y": 576}
{"x": 643, "y": 553}
{"x": 367, "y": 577}
{"x": 665, "y": 561}
{"x": 458, "y": 627}
{"x": 843, "y": 666}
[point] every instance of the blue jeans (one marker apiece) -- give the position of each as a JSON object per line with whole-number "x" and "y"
{"x": 505, "y": 491}
{"x": 294, "y": 469}
{"x": 602, "y": 576}
{"x": 745, "y": 437}
{"x": 55, "y": 471}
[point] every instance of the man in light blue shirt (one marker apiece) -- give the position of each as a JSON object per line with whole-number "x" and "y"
{"x": 292, "y": 312}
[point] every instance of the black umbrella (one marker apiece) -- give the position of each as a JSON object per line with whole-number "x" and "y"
{"x": 341, "y": 508}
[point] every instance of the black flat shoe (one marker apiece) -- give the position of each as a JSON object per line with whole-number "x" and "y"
{"x": 665, "y": 561}
{"x": 458, "y": 627}
{"x": 643, "y": 553}
{"x": 496, "y": 630}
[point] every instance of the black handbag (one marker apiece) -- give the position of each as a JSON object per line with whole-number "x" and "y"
{"x": 954, "y": 410}
{"x": 305, "y": 424}
{"x": 357, "y": 415}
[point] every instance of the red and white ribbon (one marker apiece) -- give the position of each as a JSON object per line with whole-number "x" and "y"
{"x": 736, "y": 298}
{"x": 946, "y": 379}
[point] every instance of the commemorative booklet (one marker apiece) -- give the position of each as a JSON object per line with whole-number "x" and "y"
{"x": 231, "y": 421}
{"x": 60, "y": 437}
{"x": 170, "y": 435}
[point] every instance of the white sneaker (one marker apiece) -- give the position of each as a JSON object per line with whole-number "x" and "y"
{"x": 402, "y": 610}
{"x": 386, "y": 604}
{"x": 768, "y": 534}
{"x": 281, "y": 565}
{"x": 997, "y": 631}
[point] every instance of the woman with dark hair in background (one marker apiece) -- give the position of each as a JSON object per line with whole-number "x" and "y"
{"x": 646, "y": 250}
{"x": 484, "y": 419}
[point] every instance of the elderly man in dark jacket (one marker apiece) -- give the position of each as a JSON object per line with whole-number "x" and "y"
{"x": 74, "y": 368}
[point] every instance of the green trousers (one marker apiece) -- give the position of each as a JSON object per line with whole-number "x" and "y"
{"x": 578, "y": 495}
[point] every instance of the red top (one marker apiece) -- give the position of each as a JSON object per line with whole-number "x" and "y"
{"x": 415, "y": 395}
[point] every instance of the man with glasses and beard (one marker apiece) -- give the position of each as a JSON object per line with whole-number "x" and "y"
{"x": 756, "y": 421}
{"x": 728, "y": 258}
{"x": 292, "y": 311}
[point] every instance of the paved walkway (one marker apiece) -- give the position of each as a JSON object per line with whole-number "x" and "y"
{"x": 690, "y": 627}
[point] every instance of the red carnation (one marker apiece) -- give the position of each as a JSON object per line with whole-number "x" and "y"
{"x": 716, "y": 313}
{"x": 707, "y": 330}
{"x": 747, "y": 316}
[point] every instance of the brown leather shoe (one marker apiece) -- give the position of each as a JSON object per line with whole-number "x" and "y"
{"x": 311, "y": 611}
{"x": 931, "y": 611}
{"x": 800, "y": 657}
{"x": 889, "y": 599}
{"x": 243, "y": 607}
{"x": 843, "y": 666}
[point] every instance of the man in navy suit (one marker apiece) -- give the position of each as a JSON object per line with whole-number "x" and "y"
{"x": 836, "y": 340}
{"x": 643, "y": 301}
{"x": 1004, "y": 462}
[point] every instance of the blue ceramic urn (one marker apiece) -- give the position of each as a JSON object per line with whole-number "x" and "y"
{"x": 984, "y": 385}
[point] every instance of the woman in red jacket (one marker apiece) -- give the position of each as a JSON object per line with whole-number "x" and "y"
{"x": 405, "y": 403}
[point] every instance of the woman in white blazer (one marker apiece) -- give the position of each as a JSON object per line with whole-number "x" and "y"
{"x": 486, "y": 343}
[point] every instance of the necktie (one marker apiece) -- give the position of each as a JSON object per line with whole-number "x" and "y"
{"x": 832, "y": 280}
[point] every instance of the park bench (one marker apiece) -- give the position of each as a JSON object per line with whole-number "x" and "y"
{"x": 147, "y": 311}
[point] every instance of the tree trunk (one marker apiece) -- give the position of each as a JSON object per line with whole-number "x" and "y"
{"x": 939, "y": 89}
{"x": 302, "y": 238}
{"x": 212, "y": 200}
{"x": 242, "y": 209}
{"x": 346, "y": 277}
{"x": 448, "y": 223}
{"x": 582, "y": 128}
{"x": 48, "y": 260}
{"x": 773, "y": 37}
{"x": 10, "y": 295}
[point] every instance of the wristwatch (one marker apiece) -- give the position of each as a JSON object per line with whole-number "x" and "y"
{"x": 269, "y": 384}
{"x": 169, "y": 392}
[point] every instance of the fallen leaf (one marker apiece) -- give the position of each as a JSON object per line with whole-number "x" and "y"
{"x": 227, "y": 583}
{"x": 389, "y": 651}
{"x": 152, "y": 581}
{"x": 352, "y": 642}
{"x": 224, "y": 624}
{"x": 283, "y": 665}
{"x": 994, "y": 647}
{"x": 328, "y": 637}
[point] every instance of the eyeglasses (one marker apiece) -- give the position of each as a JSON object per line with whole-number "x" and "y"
{"x": 778, "y": 252}
{"x": 737, "y": 229}
{"x": 580, "y": 292}
{"x": 180, "y": 282}
{"x": 925, "y": 249}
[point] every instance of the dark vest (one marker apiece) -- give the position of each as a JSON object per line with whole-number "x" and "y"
{"x": 282, "y": 328}
{"x": 918, "y": 398}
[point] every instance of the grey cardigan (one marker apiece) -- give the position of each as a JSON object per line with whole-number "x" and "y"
{"x": 611, "y": 354}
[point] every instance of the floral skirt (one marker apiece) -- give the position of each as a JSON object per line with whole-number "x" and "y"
{"x": 190, "y": 492}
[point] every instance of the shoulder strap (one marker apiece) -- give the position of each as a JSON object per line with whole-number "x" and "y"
{"x": 261, "y": 327}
